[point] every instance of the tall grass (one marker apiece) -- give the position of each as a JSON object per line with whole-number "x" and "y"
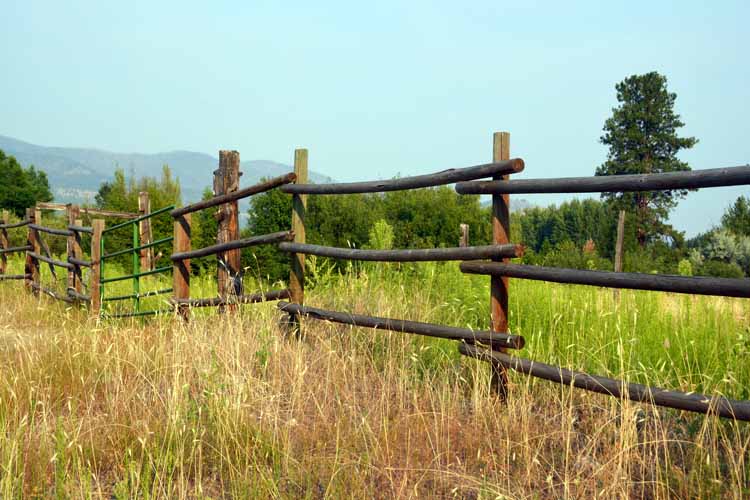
{"x": 229, "y": 407}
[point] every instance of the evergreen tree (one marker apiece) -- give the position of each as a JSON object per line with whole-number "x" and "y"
{"x": 737, "y": 217}
{"x": 642, "y": 138}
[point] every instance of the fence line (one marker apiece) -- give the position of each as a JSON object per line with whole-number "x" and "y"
{"x": 449, "y": 176}
{"x": 491, "y": 260}
{"x": 715, "y": 177}
{"x": 406, "y": 255}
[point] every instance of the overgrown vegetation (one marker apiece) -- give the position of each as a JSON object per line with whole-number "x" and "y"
{"x": 229, "y": 407}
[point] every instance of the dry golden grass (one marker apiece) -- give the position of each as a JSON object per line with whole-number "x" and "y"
{"x": 227, "y": 407}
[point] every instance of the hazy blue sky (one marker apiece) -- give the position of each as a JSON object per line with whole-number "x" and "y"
{"x": 375, "y": 89}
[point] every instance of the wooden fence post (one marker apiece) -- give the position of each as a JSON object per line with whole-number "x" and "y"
{"x": 74, "y": 250}
{"x": 499, "y": 285}
{"x": 181, "y": 268}
{"x": 144, "y": 227}
{"x": 96, "y": 266}
{"x": 227, "y": 180}
{"x": 618, "y": 248}
{"x": 32, "y": 264}
{"x": 299, "y": 208}
{"x": 4, "y": 243}
{"x": 464, "y": 241}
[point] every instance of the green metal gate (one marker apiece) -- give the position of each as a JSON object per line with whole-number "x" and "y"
{"x": 137, "y": 273}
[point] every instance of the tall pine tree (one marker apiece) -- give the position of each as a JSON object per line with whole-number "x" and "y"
{"x": 642, "y": 139}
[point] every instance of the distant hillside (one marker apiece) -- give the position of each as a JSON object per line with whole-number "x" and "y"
{"x": 75, "y": 174}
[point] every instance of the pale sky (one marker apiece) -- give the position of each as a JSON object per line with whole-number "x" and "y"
{"x": 375, "y": 89}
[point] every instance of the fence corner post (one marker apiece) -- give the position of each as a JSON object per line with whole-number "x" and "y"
{"x": 299, "y": 208}
{"x": 97, "y": 226}
{"x": 499, "y": 285}
{"x": 229, "y": 274}
{"x": 464, "y": 240}
{"x": 181, "y": 268}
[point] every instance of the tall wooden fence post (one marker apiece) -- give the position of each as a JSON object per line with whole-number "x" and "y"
{"x": 144, "y": 227}
{"x": 97, "y": 225}
{"x": 618, "y": 248}
{"x": 181, "y": 268}
{"x": 75, "y": 276}
{"x": 4, "y": 243}
{"x": 32, "y": 264}
{"x": 499, "y": 285}
{"x": 227, "y": 180}
{"x": 299, "y": 208}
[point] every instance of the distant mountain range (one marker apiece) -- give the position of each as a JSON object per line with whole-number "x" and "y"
{"x": 75, "y": 174}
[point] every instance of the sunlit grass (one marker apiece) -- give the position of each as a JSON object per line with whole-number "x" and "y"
{"x": 228, "y": 406}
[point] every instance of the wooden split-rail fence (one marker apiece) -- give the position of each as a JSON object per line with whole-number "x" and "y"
{"x": 491, "y": 345}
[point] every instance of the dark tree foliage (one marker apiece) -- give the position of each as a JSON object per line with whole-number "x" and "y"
{"x": 642, "y": 138}
{"x": 424, "y": 218}
{"x": 737, "y": 217}
{"x": 21, "y": 188}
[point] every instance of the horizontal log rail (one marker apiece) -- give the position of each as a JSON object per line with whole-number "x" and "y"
{"x": 261, "y": 187}
{"x": 81, "y": 229}
{"x": 497, "y": 339}
{"x": 714, "y": 177}
{"x": 15, "y": 276}
{"x": 138, "y": 248}
{"x": 138, "y": 219}
{"x": 699, "y": 403}
{"x": 241, "y": 299}
{"x": 155, "y": 312}
{"x": 78, "y": 296}
{"x": 444, "y": 177}
{"x": 89, "y": 211}
{"x": 264, "y": 239}
{"x": 158, "y": 270}
{"x": 51, "y": 293}
{"x": 143, "y": 295}
{"x": 51, "y": 230}
{"x": 407, "y": 255}
{"x": 22, "y": 223}
{"x": 80, "y": 263}
{"x": 695, "y": 285}
{"x": 24, "y": 248}
{"x": 51, "y": 261}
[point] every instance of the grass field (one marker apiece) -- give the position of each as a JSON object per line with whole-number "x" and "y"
{"x": 227, "y": 407}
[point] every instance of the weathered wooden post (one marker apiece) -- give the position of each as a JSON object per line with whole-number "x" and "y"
{"x": 299, "y": 208}
{"x": 32, "y": 264}
{"x": 4, "y": 243}
{"x": 464, "y": 241}
{"x": 499, "y": 285}
{"x": 618, "y": 248}
{"x": 181, "y": 268}
{"x": 144, "y": 227}
{"x": 75, "y": 276}
{"x": 97, "y": 225}
{"x": 227, "y": 180}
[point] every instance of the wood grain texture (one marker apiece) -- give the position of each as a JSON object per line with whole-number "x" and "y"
{"x": 407, "y": 255}
{"x": 695, "y": 285}
{"x": 695, "y": 179}
{"x": 442, "y": 178}
{"x": 404, "y": 326}
{"x": 699, "y": 403}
